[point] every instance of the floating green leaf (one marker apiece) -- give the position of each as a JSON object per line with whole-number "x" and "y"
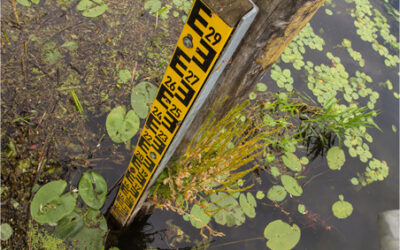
{"x": 92, "y": 8}
{"x": 124, "y": 75}
{"x": 70, "y": 225}
{"x": 122, "y": 126}
{"x": 276, "y": 193}
{"x": 247, "y": 208}
{"x": 142, "y": 97}
{"x": 291, "y": 185}
{"x": 335, "y": 157}
{"x": 49, "y": 206}
{"x": 198, "y": 217}
{"x": 252, "y": 96}
{"x": 227, "y": 210}
{"x": 301, "y": 208}
{"x": 260, "y": 195}
{"x": 261, "y": 87}
{"x": 291, "y": 161}
{"x": 93, "y": 189}
{"x": 6, "y": 231}
{"x": 354, "y": 181}
{"x": 342, "y": 209}
{"x": 281, "y": 236}
{"x": 70, "y": 45}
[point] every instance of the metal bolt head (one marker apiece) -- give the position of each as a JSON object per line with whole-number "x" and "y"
{"x": 188, "y": 41}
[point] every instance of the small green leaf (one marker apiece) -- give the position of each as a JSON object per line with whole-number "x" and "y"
{"x": 122, "y": 126}
{"x": 70, "y": 45}
{"x": 394, "y": 128}
{"x": 93, "y": 189}
{"x": 246, "y": 207}
{"x": 291, "y": 185}
{"x": 335, "y": 157}
{"x": 142, "y": 97}
{"x": 197, "y": 217}
{"x": 354, "y": 181}
{"x": 291, "y": 161}
{"x": 70, "y": 225}
{"x": 260, "y": 195}
{"x": 261, "y": 87}
{"x": 124, "y": 75}
{"x": 25, "y": 3}
{"x": 6, "y": 231}
{"x": 342, "y": 209}
{"x": 276, "y": 193}
{"x": 281, "y": 235}
{"x": 252, "y": 96}
{"x": 301, "y": 208}
{"x": 48, "y": 206}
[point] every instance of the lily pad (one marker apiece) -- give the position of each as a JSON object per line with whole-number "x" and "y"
{"x": 247, "y": 208}
{"x": 70, "y": 225}
{"x": 291, "y": 161}
{"x": 92, "y": 8}
{"x": 227, "y": 209}
{"x": 198, "y": 217}
{"x": 342, "y": 209}
{"x": 335, "y": 157}
{"x": 49, "y": 206}
{"x": 93, "y": 189}
{"x": 122, "y": 126}
{"x": 291, "y": 185}
{"x": 6, "y": 231}
{"x": 261, "y": 87}
{"x": 301, "y": 208}
{"x": 276, "y": 193}
{"x": 281, "y": 235}
{"x": 260, "y": 195}
{"x": 124, "y": 75}
{"x": 142, "y": 97}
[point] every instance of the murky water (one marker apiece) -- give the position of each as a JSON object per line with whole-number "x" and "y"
{"x": 358, "y": 231}
{"x": 121, "y": 37}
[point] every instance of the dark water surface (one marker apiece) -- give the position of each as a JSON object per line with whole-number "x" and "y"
{"x": 359, "y": 231}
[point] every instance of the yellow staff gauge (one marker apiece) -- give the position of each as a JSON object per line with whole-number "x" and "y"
{"x": 200, "y": 44}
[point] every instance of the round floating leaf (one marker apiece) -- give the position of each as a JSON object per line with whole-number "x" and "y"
{"x": 261, "y": 87}
{"x": 250, "y": 198}
{"x": 142, "y": 97}
{"x": 291, "y": 185}
{"x": 6, "y": 231}
{"x": 291, "y": 161}
{"x": 354, "y": 181}
{"x": 301, "y": 208}
{"x": 247, "y": 208}
{"x": 342, "y": 209}
{"x": 335, "y": 157}
{"x": 252, "y": 96}
{"x": 198, "y": 218}
{"x": 304, "y": 160}
{"x": 93, "y": 189}
{"x": 124, "y": 75}
{"x": 281, "y": 235}
{"x": 229, "y": 212}
{"x": 260, "y": 195}
{"x": 70, "y": 224}
{"x": 120, "y": 126}
{"x": 92, "y": 8}
{"x": 276, "y": 193}
{"x": 48, "y": 206}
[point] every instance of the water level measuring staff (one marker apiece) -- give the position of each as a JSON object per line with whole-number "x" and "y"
{"x": 200, "y": 44}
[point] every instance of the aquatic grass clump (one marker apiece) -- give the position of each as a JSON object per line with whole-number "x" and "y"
{"x": 212, "y": 168}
